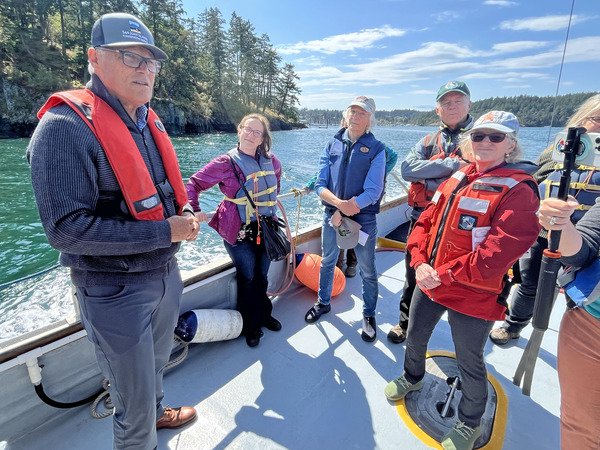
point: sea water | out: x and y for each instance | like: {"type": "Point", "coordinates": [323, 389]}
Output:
{"type": "Point", "coordinates": [35, 292]}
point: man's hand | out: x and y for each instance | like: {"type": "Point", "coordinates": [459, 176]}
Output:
{"type": "Point", "coordinates": [349, 207]}
{"type": "Point", "coordinates": [183, 227]}
{"type": "Point", "coordinates": [336, 218]}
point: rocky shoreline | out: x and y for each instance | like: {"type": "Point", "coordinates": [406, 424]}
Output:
{"type": "Point", "coordinates": [19, 119]}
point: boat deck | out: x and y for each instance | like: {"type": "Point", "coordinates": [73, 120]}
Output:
{"type": "Point", "coordinates": [318, 386]}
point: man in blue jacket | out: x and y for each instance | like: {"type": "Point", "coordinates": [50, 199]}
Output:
{"type": "Point", "coordinates": [350, 184]}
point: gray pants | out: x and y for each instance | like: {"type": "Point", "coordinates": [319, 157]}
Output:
{"type": "Point", "coordinates": [132, 328]}
{"type": "Point", "coordinates": [469, 335]}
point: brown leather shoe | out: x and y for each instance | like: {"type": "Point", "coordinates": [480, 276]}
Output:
{"type": "Point", "coordinates": [176, 417]}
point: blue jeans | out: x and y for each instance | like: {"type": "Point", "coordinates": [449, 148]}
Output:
{"type": "Point", "coordinates": [523, 300]}
{"type": "Point", "coordinates": [252, 266]}
{"type": "Point", "coordinates": [366, 261]}
{"type": "Point", "coordinates": [131, 328]}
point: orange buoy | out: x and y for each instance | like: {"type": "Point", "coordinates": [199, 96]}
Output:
{"type": "Point", "coordinates": [307, 273]}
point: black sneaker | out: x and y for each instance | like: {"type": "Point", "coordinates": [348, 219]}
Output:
{"type": "Point", "coordinates": [273, 324]}
{"type": "Point", "coordinates": [253, 338]}
{"type": "Point", "coordinates": [350, 271]}
{"type": "Point", "coordinates": [369, 330]}
{"type": "Point", "coordinates": [316, 311]}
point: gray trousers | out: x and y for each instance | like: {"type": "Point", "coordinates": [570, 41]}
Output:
{"type": "Point", "coordinates": [469, 335]}
{"type": "Point", "coordinates": [131, 328]}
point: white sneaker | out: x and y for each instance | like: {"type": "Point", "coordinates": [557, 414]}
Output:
{"type": "Point", "coordinates": [369, 332]}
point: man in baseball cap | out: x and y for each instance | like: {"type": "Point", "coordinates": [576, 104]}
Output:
{"type": "Point", "coordinates": [122, 30]}
{"type": "Point", "coordinates": [432, 160]}
{"type": "Point", "coordinates": [453, 86]}
{"type": "Point", "coordinates": [115, 232]}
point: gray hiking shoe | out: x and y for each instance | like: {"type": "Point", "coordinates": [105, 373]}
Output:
{"type": "Point", "coordinates": [397, 334]}
{"type": "Point", "coordinates": [397, 389]}
{"type": "Point", "coordinates": [460, 437]}
{"type": "Point", "coordinates": [501, 336]}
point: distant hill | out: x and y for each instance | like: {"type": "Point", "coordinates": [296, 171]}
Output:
{"type": "Point", "coordinates": [532, 111]}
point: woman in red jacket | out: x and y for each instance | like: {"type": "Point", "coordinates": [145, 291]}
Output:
{"type": "Point", "coordinates": [480, 221]}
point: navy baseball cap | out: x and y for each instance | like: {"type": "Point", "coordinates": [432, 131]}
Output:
{"type": "Point", "coordinates": [121, 30]}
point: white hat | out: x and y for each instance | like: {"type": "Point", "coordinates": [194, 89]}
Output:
{"type": "Point", "coordinates": [497, 120]}
{"type": "Point", "coordinates": [366, 103]}
{"type": "Point", "coordinates": [347, 233]}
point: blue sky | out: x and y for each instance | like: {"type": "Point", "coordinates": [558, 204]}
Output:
{"type": "Point", "coordinates": [401, 51]}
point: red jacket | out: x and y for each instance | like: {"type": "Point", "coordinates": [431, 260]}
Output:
{"type": "Point", "coordinates": [471, 278]}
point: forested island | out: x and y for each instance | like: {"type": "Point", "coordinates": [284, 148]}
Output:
{"type": "Point", "coordinates": [532, 111]}
{"type": "Point", "coordinates": [218, 70]}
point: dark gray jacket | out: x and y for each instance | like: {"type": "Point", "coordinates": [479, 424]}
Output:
{"type": "Point", "coordinates": [71, 177]}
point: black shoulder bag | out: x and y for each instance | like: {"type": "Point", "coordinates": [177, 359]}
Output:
{"type": "Point", "coordinates": [277, 245]}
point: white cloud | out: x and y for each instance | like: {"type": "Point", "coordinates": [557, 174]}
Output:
{"type": "Point", "coordinates": [517, 46]}
{"type": "Point", "coordinates": [500, 3]}
{"type": "Point", "coordinates": [343, 42]}
{"type": "Point", "coordinates": [506, 76]}
{"type": "Point", "coordinates": [422, 92]}
{"type": "Point", "coordinates": [586, 49]}
{"type": "Point", "coordinates": [446, 16]}
{"type": "Point", "coordinates": [546, 23]}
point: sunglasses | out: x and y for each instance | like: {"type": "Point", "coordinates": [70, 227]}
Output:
{"type": "Point", "coordinates": [493, 137]}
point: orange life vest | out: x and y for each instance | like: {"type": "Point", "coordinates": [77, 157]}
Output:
{"type": "Point", "coordinates": [123, 155]}
{"type": "Point", "coordinates": [461, 211]}
{"type": "Point", "coordinates": [418, 196]}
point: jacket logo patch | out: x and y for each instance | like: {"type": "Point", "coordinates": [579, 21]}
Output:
{"type": "Point", "coordinates": [466, 222]}
{"type": "Point", "coordinates": [364, 149]}
{"type": "Point", "coordinates": [159, 125]}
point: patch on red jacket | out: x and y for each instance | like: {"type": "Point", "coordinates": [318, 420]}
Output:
{"type": "Point", "coordinates": [467, 222]}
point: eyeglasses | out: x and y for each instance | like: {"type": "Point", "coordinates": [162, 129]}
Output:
{"type": "Point", "coordinates": [493, 137]}
{"type": "Point", "coordinates": [134, 60]}
{"type": "Point", "coordinates": [255, 133]}
{"type": "Point", "coordinates": [358, 113]}
{"type": "Point", "coordinates": [595, 119]}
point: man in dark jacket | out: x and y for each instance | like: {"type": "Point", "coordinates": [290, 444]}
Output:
{"type": "Point", "coordinates": [111, 199]}
{"type": "Point", "coordinates": [434, 159]}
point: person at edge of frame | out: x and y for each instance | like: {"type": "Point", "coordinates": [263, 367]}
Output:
{"type": "Point", "coordinates": [585, 187]}
{"type": "Point", "coordinates": [578, 356]}
{"type": "Point", "coordinates": [117, 213]}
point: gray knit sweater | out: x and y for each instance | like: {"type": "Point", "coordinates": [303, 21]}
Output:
{"type": "Point", "coordinates": [70, 174]}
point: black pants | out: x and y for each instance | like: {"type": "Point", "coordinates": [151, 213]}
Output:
{"type": "Point", "coordinates": [469, 335]}
{"type": "Point", "coordinates": [252, 266]}
{"type": "Point", "coordinates": [410, 282]}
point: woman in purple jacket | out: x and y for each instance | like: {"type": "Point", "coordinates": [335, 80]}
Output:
{"type": "Point", "coordinates": [252, 164]}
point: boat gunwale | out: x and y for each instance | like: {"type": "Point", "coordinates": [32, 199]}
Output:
{"type": "Point", "coordinates": [15, 347]}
